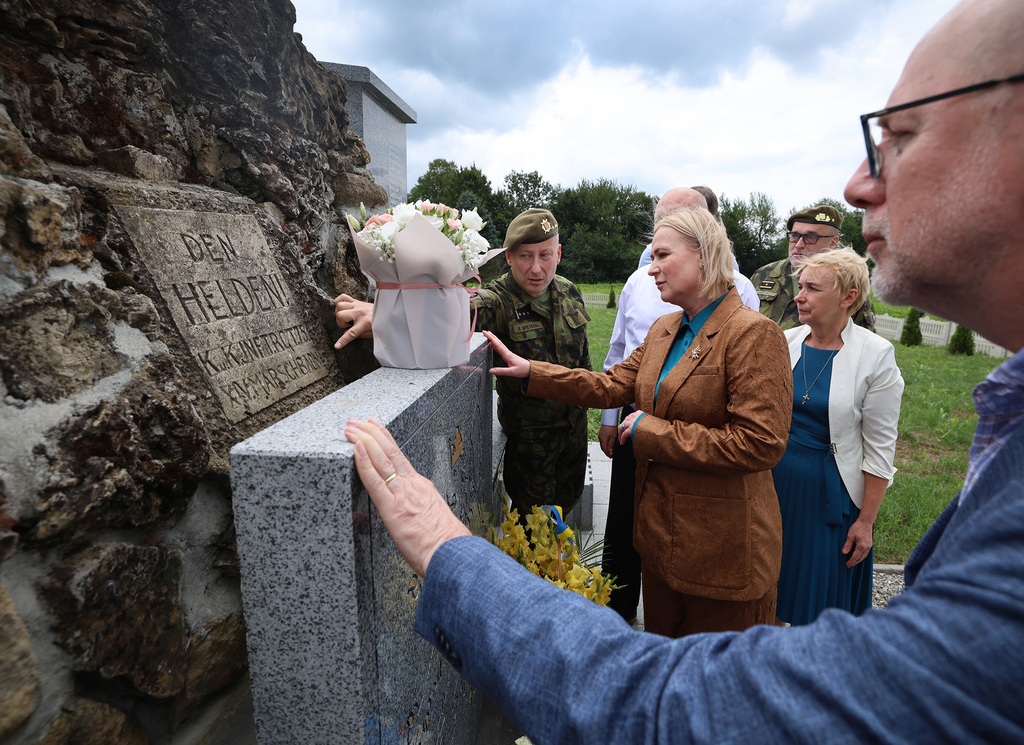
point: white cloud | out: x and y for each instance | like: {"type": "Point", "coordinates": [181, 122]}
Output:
{"type": "Point", "coordinates": [748, 120]}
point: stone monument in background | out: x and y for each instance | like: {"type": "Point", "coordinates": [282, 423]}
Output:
{"type": "Point", "coordinates": [379, 116]}
{"type": "Point", "coordinates": [173, 183]}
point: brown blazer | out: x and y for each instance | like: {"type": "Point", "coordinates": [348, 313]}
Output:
{"type": "Point", "coordinates": [707, 517]}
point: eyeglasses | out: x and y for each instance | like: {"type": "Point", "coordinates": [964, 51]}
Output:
{"type": "Point", "coordinates": [809, 238]}
{"type": "Point", "coordinates": [873, 131]}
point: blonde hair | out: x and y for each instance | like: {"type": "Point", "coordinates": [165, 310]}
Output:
{"type": "Point", "coordinates": [849, 272]}
{"type": "Point", "coordinates": [702, 228]}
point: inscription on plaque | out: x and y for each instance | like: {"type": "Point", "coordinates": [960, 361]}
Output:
{"type": "Point", "coordinates": [231, 304]}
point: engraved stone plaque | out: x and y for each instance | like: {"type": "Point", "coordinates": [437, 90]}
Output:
{"type": "Point", "coordinates": [231, 304]}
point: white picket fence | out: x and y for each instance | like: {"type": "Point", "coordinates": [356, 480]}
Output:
{"type": "Point", "coordinates": [935, 334]}
{"type": "Point", "coordinates": [597, 299]}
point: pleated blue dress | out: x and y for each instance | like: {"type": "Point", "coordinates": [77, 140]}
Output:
{"type": "Point", "coordinates": [817, 511]}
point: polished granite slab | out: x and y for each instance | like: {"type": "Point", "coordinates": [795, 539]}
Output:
{"type": "Point", "coordinates": [329, 602]}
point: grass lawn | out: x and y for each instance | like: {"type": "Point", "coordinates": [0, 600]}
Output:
{"type": "Point", "coordinates": [937, 423]}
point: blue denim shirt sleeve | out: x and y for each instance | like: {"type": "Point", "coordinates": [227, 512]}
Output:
{"type": "Point", "coordinates": [943, 663]}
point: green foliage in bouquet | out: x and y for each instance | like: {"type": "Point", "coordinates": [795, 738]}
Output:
{"type": "Point", "coordinates": [562, 563]}
{"type": "Point", "coordinates": [962, 341]}
{"type": "Point", "coordinates": [911, 336]}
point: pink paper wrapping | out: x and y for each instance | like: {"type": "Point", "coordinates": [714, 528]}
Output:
{"type": "Point", "coordinates": [420, 329]}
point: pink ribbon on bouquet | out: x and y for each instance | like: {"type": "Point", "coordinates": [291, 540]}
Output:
{"type": "Point", "coordinates": [433, 286]}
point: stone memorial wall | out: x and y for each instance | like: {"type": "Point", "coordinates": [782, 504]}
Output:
{"type": "Point", "coordinates": [329, 601]}
{"type": "Point", "coordinates": [173, 183]}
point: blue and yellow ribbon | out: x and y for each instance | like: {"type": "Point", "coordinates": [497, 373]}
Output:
{"type": "Point", "coordinates": [562, 531]}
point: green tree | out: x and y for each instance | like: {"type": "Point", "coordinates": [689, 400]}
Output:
{"type": "Point", "coordinates": [962, 341]}
{"type": "Point", "coordinates": [603, 227]}
{"type": "Point", "coordinates": [446, 182]}
{"type": "Point", "coordinates": [525, 190]}
{"type": "Point", "coordinates": [911, 335]}
{"type": "Point", "coordinates": [753, 227]}
{"type": "Point", "coordinates": [521, 192]}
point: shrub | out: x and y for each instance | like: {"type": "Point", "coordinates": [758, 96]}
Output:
{"type": "Point", "coordinates": [962, 341]}
{"type": "Point", "coordinates": [611, 298]}
{"type": "Point", "coordinates": [911, 336]}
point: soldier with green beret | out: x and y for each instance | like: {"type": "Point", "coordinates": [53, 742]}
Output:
{"type": "Point", "coordinates": [541, 316]}
{"type": "Point", "coordinates": [809, 231]}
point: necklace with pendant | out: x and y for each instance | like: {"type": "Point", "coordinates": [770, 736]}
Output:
{"type": "Point", "coordinates": [807, 388]}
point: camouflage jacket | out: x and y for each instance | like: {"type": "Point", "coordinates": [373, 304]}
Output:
{"type": "Point", "coordinates": [507, 311]}
{"type": "Point", "coordinates": [776, 288]}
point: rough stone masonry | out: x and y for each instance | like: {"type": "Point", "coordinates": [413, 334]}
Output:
{"type": "Point", "coordinates": [173, 178]}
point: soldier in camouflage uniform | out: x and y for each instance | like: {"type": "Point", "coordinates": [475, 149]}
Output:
{"type": "Point", "coordinates": [817, 230]}
{"type": "Point", "coordinates": [540, 316]}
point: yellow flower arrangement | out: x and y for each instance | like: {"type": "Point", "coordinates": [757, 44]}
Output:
{"type": "Point", "coordinates": [557, 561]}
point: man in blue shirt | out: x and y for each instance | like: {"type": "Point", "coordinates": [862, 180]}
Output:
{"type": "Point", "coordinates": [945, 661]}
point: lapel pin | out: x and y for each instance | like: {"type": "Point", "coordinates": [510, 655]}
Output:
{"type": "Point", "coordinates": [695, 352]}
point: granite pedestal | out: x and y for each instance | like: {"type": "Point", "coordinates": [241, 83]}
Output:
{"type": "Point", "coordinates": [329, 602]}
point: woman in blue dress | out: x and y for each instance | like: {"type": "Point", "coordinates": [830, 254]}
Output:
{"type": "Point", "coordinates": [839, 460]}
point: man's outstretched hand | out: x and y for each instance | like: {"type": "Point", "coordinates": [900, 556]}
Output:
{"type": "Point", "coordinates": [348, 310]}
{"type": "Point", "coordinates": [413, 511]}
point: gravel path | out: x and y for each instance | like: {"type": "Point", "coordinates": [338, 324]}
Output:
{"type": "Point", "coordinates": [888, 581]}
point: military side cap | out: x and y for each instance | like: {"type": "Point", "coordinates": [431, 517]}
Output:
{"type": "Point", "coordinates": [533, 226]}
{"type": "Point", "coordinates": [822, 215]}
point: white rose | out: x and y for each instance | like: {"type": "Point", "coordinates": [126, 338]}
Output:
{"type": "Point", "coordinates": [434, 220]}
{"type": "Point", "coordinates": [403, 213]}
{"type": "Point", "coordinates": [477, 241]}
{"type": "Point", "coordinates": [388, 230]}
{"type": "Point", "coordinates": [471, 220]}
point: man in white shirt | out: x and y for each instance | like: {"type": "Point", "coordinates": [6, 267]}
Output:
{"type": "Point", "coordinates": [743, 285]}
{"type": "Point", "coordinates": [640, 305]}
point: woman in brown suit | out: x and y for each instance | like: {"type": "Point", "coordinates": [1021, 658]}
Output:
{"type": "Point", "coordinates": [713, 393]}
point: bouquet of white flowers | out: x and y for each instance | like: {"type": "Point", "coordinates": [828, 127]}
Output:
{"type": "Point", "coordinates": [420, 254]}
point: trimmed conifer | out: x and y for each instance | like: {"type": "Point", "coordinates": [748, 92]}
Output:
{"type": "Point", "coordinates": [911, 336]}
{"type": "Point", "coordinates": [962, 341]}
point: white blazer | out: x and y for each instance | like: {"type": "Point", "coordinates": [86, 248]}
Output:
{"type": "Point", "coordinates": [863, 404]}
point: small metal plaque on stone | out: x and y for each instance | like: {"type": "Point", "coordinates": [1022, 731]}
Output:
{"type": "Point", "coordinates": [230, 302]}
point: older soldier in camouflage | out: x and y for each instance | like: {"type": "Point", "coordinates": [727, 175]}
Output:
{"type": "Point", "coordinates": [540, 316]}
{"type": "Point", "coordinates": [809, 231]}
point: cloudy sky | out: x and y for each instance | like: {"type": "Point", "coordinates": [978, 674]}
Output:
{"type": "Point", "coordinates": [741, 95]}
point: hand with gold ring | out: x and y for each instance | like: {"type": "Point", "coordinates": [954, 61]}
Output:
{"type": "Point", "coordinates": [626, 428]}
{"type": "Point", "coordinates": [415, 514]}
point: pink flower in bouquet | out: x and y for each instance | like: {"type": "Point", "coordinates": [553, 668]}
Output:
{"type": "Point", "coordinates": [445, 211]}
{"type": "Point", "coordinates": [380, 230]}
